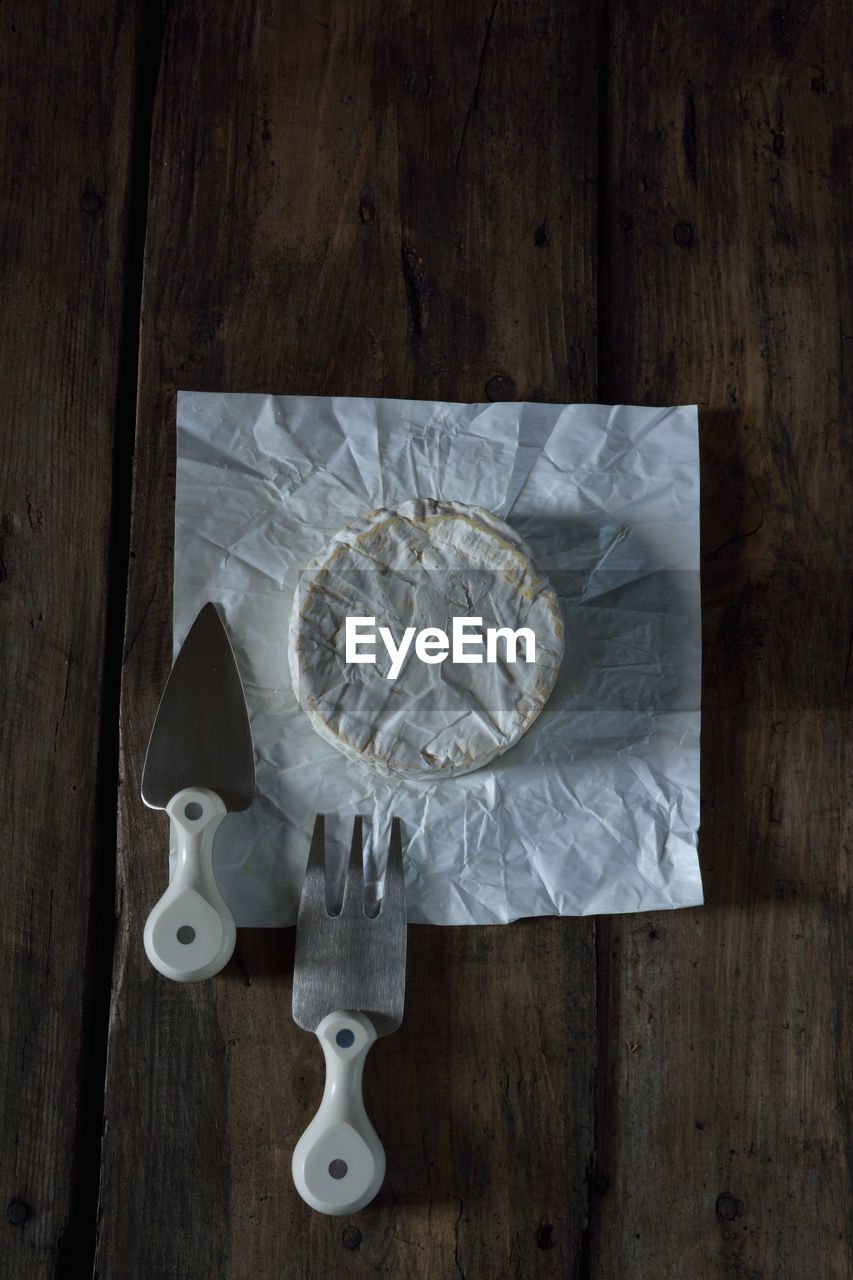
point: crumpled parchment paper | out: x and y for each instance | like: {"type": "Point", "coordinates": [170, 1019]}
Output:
{"type": "Point", "coordinates": [596, 809]}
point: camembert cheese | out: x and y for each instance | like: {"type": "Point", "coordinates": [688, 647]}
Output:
{"type": "Point", "coordinates": [426, 692]}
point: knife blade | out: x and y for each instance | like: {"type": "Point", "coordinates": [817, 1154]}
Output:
{"type": "Point", "coordinates": [199, 766]}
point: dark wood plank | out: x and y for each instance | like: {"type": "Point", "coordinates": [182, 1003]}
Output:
{"type": "Point", "coordinates": [67, 91]}
{"type": "Point", "coordinates": [726, 1077]}
{"type": "Point", "coordinates": [383, 201]}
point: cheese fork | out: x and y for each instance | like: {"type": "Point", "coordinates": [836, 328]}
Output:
{"type": "Point", "coordinates": [349, 981]}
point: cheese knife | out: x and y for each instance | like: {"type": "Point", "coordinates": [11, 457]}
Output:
{"type": "Point", "coordinates": [199, 766]}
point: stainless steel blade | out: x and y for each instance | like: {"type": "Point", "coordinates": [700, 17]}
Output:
{"type": "Point", "coordinates": [351, 960]}
{"type": "Point", "coordinates": [201, 735]}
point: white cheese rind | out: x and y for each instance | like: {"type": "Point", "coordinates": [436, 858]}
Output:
{"type": "Point", "coordinates": [420, 564]}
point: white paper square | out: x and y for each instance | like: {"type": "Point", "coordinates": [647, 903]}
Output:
{"type": "Point", "coordinates": [596, 809]}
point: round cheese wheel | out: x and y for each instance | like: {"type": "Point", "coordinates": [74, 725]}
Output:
{"type": "Point", "coordinates": [423, 708]}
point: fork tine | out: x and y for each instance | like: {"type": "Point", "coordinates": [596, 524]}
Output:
{"type": "Point", "coordinates": [353, 901]}
{"type": "Point", "coordinates": [313, 897]}
{"type": "Point", "coordinates": [394, 891]}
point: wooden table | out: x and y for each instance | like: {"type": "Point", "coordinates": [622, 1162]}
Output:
{"type": "Point", "coordinates": [505, 199]}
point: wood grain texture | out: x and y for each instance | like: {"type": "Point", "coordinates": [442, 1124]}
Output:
{"type": "Point", "coordinates": [63, 239]}
{"type": "Point", "coordinates": [725, 1080]}
{"type": "Point", "coordinates": [405, 201]}
{"type": "Point", "coordinates": [378, 204]}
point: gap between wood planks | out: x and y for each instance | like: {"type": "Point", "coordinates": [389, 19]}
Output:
{"type": "Point", "coordinates": [596, 1180]}
{"type": "Point", "coordinates": [76, 1250]}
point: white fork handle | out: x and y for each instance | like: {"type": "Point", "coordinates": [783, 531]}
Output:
{"type": "Point", "coordinates": [338, 1163]}
{"type": "Point", "coordinates": [190, 933]}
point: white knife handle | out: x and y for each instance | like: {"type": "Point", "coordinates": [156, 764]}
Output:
{"type": "Point", "coordinates": [190, 933]}
{"type": "Point", "coordinates": [338, 1163]}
